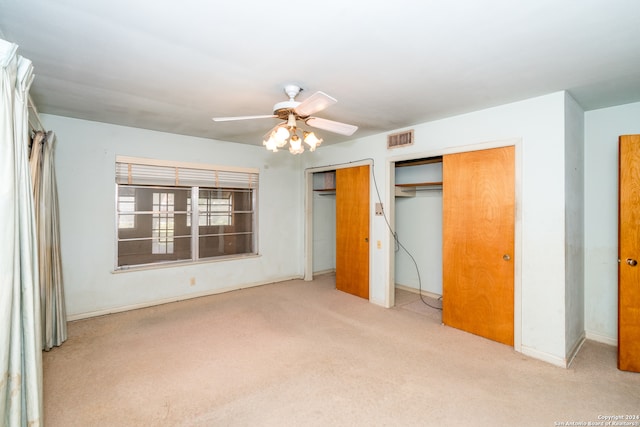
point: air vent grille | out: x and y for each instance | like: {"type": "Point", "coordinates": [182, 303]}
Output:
{"type": "Point", "coordinates": [400, 139]}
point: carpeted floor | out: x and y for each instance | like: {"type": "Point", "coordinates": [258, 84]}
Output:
{"type": "Point", "coordinates": [304, 354]}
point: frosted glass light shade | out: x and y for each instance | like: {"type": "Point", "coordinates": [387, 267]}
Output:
{"type": "Point", "coordinates": [271, 144]}
{"type": "Point", "coordinates": [280, 136]}
{"type": "Point", "coordinates": [295, 145]}
{"type": "Point", "coordinates": [312, 140]}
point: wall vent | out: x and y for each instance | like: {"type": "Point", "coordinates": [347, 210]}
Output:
{"type": "Point", "coordinates": [401, 139]}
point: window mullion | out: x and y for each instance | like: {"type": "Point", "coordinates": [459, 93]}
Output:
{"type": "Point", "coordinates": [195, 224]}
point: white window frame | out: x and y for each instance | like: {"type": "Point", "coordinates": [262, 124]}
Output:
{"type": "Point", "coordinates": [183, 175]}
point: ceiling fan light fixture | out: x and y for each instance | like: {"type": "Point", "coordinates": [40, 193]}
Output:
{"type": "Point", "coordinates": [312, 140]}
{"type": "Point", "coordinates": [295, 145]}
{"type": "Point", "coordinates": [270, 143]}
{"type": "Point", "coordinates": [292, 111]}
{"type": "Point", "coordinates": [280, 136]}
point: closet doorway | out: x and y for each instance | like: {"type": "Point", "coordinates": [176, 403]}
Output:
{"type": "Point", "coordinates": [460, 270]}
{"type": "Point", "coordinates": [352, 230]}
{"type": "Point", "coordinates": [347, 232]}
{"type": "Point", "coordinates": [418, 228]}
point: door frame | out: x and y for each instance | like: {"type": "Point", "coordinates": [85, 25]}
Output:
{"type": "Point", "coordinates": [517, 259]}
{"type": "Point", "coordinates": [308, 206]}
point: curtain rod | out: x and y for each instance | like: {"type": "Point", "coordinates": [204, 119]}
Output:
{"type": "Point", "coordinates": [35, 115]}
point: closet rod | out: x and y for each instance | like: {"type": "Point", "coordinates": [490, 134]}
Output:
{"type": "Point", "coordinates": [434, 188]}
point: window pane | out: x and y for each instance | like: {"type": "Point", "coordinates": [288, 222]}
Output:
{"type": "Point", "coordinates": [213, 246]}
{"type": "Point", "coordinates": [126, 203]}
{"type": "Point", "coordinates": [242, 200]}
{"type": "Point", "coordinates": [214, 207]}
{"type": "Point", "coordinates": [139, 252]}
{"type": "Point", "coordinates": [160, 231]}
{"type": "Point", "coordinates": [229, 225]}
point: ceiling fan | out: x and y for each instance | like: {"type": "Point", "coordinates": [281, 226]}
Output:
{"type": "Point", "coordinates": [291, 112]}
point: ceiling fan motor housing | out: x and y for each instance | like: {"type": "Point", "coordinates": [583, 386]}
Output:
{"type": "Point", "coordinates": [283, 109]}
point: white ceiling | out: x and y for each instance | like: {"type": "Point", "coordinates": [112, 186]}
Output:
{"type": "Point", "coordinates": [172, 65]}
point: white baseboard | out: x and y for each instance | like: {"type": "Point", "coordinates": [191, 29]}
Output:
{"type": "Point", "coordinates": [545, 357]}
{"type": "Point", "coordinates": [417, 291]}
{"type": "Point", "coordinates": [575, 349]}
{"type": "Point", "coordinates": [562, 362]}
{"type": "Point", "coordinates": [594, 336]}
{"type": "Point", "coordinates": [318, 273]}
{"type": "Point", "coordinates": [112, 310]}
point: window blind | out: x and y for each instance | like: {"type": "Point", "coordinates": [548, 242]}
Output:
{"type": "Point", "coordinates": [138, 171]}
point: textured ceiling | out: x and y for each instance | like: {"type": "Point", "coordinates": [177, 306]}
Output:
{"type": "Point", "coordinates": [171, 66]}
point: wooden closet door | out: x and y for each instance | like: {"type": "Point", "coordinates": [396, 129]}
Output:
{"type": "Point", "coordinates": [352, 230]}
{"type": "Point", "coordinates": [629, 253]}
{"type": "Point", "coordinates": [478, 242]}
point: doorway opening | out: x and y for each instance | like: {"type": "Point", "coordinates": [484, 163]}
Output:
{"type": "Point", "coordinates": [406, 216]}
{"type": "Point", "coordinates": [417, 237]}
{"type": "Point", "coordinates": [329, 246]}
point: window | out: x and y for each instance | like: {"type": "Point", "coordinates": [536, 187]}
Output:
{"type": "Point", "coordinates": [154, 212]}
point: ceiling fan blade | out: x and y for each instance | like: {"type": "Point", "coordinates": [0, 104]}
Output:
{"type": "Point", "coordinates": [228, 119]}
{"type": "Point", "coordinates": [316, 102]}
{"type": "Point", "coordinates": [331, 126]}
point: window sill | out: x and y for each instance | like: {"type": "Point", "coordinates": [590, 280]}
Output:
{"type": "Point", "coordinates": [170, 264]}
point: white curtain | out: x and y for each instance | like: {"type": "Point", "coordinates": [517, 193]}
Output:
{"type": "Point", "coordinates": [54, 316]}
{"type": "Point", "coordinates": [20, 333]}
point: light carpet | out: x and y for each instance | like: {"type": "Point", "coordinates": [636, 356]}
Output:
{"type": "Point", "coordinates": [302, 353]}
